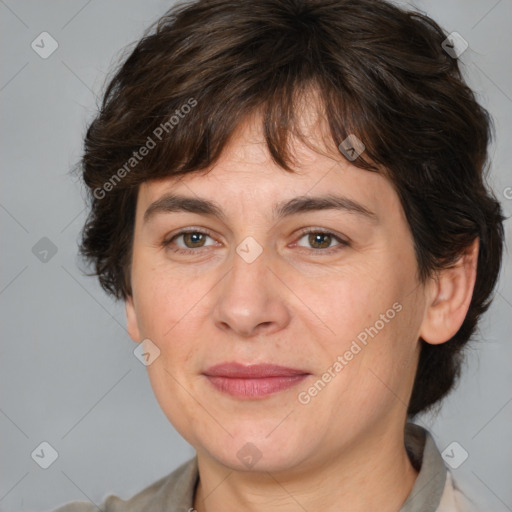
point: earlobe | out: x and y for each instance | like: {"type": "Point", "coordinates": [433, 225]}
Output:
{"type": "Point", "coordinates": [448, 302]}
{"type": "Point", "coordinates": [131, 320]}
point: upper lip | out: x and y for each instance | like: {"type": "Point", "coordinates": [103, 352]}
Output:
{"type": "Point", "coordinates": [254, 371]}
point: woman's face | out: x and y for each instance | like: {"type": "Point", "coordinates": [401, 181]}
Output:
{"type": "Point", "coordinates": [340, 311]}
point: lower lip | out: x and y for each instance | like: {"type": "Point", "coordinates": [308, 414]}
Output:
{"type": "Point", "coordinates": [255, 388]}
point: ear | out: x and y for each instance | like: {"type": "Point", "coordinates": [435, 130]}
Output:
{"type": "Point", "coordinates": [449, 298]}
{"type": "Point", "coordinates": [131, 320]}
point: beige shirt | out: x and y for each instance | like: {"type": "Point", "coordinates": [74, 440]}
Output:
{"type": "Point", "coordinates": [433, 490]}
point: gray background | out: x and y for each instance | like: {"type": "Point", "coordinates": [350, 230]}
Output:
{"type": "Point", "coordinates": [68, 375]}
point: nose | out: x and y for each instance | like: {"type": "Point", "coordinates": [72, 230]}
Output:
{"type": "Point", "coordinates": [252, 300]}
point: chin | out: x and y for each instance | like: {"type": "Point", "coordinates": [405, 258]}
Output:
{"type": "Point", "coordinates": [249, 450]}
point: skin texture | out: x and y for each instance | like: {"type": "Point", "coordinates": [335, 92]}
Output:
{"type": "Point", "coordinates": [298, 306]}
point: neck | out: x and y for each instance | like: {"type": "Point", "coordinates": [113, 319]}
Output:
{"type": "Point", "coordinates": [374, 475]}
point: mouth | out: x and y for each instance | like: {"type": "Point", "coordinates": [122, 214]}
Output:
{"type": "Point", "coordinates": [253, 381]}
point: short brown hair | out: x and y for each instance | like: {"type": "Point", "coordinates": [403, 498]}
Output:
{"type": "Point", "coordinates": [381, 74]}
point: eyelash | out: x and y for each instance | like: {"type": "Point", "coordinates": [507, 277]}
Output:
{"type": "Point", "coordinates": [342, 243]}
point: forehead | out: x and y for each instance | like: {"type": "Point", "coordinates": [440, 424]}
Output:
{"type": "Point", "coordinates": [246, 178]}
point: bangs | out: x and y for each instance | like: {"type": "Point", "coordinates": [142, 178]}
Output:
{"type": "Point", "coordinates": [190, 111]}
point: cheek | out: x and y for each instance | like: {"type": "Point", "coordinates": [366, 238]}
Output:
{"type": "Point", "coordinates": [166, 298]}
{"type": "Point", "coordinates": [349, 303]}
{"type": "Point", "coordinates": [173, 394]}
{"type": "Point", "coordinates": [169, 309]}
{"type": "Point", "coordinates": [372, 320]}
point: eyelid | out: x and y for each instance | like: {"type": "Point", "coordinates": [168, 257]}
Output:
{"type": "Point", "coordinates": [324, 231]}
{"type": "Point", "coordinates": [190, 229]}
{"type": "Point", "coordinates": [305, 231]}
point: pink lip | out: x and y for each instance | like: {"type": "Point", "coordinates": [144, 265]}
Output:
{"type": "Point", "coordinates": [253, 381]}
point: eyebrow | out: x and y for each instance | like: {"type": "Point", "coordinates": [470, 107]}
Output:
{"type": "Point", "coordinates": [301, 204]}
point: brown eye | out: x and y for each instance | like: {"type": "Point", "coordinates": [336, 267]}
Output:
{"type": "Point", "coordinates": [191, 241]}
{"type": "Point", "coordinates": [321, 241]}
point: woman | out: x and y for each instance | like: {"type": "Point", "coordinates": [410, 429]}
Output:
{"type": "Point", "coordinates": [289, 197]}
